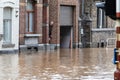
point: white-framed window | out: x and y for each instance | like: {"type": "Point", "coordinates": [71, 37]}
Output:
{"type": "Point", "coordinates": [101, 18]}
{"type": "Point", "coordinates": [7, 24]}
{"type": "Point", "coordinates": [30, 16]}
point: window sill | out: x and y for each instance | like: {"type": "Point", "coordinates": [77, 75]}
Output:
{"type": "Point", "coordinates": [104, 29]}
{"type": "Point", "coordinates": [33, 35]}
{"type": "Point", "coordinates": [8, 45]}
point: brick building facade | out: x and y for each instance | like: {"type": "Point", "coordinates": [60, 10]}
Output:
{"type": "Point", "coordinates": [30, 23]}
{"type": "Point", "coordinates": [40, 24]}
{"type": "Point", "coordinates": [59, 9]}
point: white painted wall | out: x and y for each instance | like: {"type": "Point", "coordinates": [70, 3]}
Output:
{"type": "Point", "coordinates": [14, 4]}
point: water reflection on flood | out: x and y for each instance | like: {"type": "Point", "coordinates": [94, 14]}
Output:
{"type": "Point", "coordinates": [9, 69]}
{"type": "Point", "coordinates": [64, 64]}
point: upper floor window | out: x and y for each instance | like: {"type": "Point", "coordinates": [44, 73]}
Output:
{"type": "Point", "coordinates": [7, 24]}
{"type": "Point", "coordinates": [30, 16]}
{"type": "Point", "coordinates": [101, 18]}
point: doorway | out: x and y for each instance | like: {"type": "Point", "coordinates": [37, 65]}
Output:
{"type": "Point", "coordinates": [66, 29]}
{"type": "Point", "coordinates": [65, 37]}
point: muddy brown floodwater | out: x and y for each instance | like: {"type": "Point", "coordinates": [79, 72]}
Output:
{"type": "Point", "coordinates": [63, 64]}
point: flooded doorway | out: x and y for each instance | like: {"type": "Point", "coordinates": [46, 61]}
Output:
{"type": "Point", "coordinates": [65, 37]}
{"type": "Point", "coordinates": [62, 64]}
{"type": "Point", "coordinates": [66, 23]}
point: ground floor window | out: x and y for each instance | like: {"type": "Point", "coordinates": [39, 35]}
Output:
{"type": "Point", "coordinates": [101, 19]}
{"type": "Point", "coordinates": [7, 24]}
{"type": "Point", "coordinates": [29, 22]}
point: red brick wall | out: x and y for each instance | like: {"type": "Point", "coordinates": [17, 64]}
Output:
{"type": "Point", "coordinates": [38, 20]}
{"type": "Point", "coordinates": [45, 21]}
{"type": "Point", "coordinates": [53, 9]}
{"type": "Point", "coordinates": [75, 25]}
{"type": "Point", "coordinates": [54, 16]}
{"type": "Point", "coordinates": [22, 22]}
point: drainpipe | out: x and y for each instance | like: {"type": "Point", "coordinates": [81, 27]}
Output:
{"type": "Point", "coordinates": [117, 52]}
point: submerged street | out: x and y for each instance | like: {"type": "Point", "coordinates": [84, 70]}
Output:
{"type": "Point", "coordinates": [63, 64]}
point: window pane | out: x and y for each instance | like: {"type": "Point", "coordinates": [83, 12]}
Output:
{"type": "Point", "coordinates": [7, 22]}
{"type": "Point", "coordinates": [31, 22]}
{"type": "Point", "coordinates": [7, 13]}
{"type": "Point", "coordinates": [29, 5]}
{"type": "Point", "coordinates": [7, 31]}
